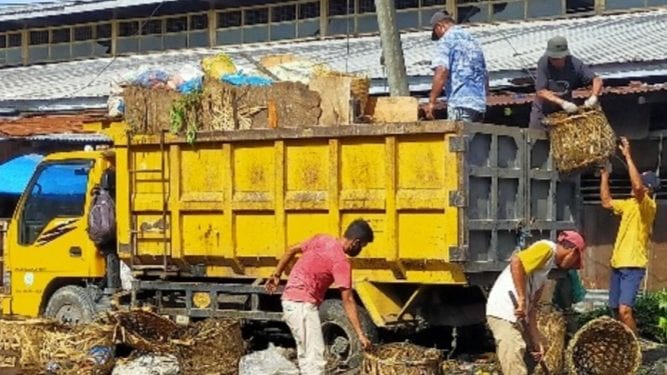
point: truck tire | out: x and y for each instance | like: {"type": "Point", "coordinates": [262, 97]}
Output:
{"type": "Point", "coordinates": [343, 349]}
{"type": "Point", "coordinates": [71, 305]}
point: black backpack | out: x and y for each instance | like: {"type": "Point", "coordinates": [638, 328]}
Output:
{"type": "Point", "coordinates": [102, 218]}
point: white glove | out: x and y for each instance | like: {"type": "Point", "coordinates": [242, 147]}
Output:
{"type": "Point", "coordinates": [569, 107]}
{"type": "Point", "coordinates": [591, 102]}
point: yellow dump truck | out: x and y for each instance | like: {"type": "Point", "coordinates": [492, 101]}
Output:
{"type": "Point", "coordinates": [202, 225]}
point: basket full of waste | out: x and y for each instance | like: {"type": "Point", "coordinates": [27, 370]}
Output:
{"type": "Point", "coordinates": [580, 140]}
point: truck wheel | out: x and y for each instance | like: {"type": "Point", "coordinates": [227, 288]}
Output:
{"type": "Point", "coordinates": [343, 349]}
{"type": "Point", "coordinates": [71, 305]}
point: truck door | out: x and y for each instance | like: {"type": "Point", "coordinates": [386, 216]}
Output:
{"type": "Point", "coordinates": [49, 240]}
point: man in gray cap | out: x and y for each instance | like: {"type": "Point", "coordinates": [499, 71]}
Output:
{"type": "Point", "coordinates": [459, 68]}
{"type": "Point", "coordinates": [558, 74]}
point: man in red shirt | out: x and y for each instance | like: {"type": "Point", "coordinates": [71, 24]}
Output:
{"type": "Point", "coordinates": [324, 261]}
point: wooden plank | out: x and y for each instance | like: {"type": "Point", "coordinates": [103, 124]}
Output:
{"type": "Point", "coordinates": [335, 99]}
{"type": "Point", "coordinates": [270, 61]}
{"type": "Point", "coordinates": [396, 109]}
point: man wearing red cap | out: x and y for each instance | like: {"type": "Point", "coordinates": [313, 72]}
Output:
{"type": "Point", "coordinates": [525, 277]}
{"type": "Point", "coordinates": [630, 255]}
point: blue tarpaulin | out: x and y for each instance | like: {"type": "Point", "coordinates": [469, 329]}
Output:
{"type": "Point", "coordinates": [15, 173]}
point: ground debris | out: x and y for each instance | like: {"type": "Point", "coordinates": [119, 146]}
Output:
{"type": "Point", "coordinates": [402, 358]}
{"type": "Point", "coordinates": [212, 346]}
{"type": "Point", "coordinates": [271, 361]}
{"type": "Point", "coordinates": [654, 358]}
{"type": "Point", "coordinates": [466, 364]}
{"type": "Point", "coordinates": [148, 364]}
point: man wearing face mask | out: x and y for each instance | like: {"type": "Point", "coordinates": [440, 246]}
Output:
{"type": "Point", "coordinates": [525, 277]}
{"type": "Point", "coordinates": [324, 261]}
{"type": "Point", "coordinates": [558, 74]}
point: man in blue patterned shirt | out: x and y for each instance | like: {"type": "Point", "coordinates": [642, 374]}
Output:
{"type": "Point", "coordinates": [459, 67]}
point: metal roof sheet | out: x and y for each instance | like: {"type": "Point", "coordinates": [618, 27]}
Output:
{"type": "Point", "coordinates": [609, 43]}
{"type": "Point", "coordinates": [66, 7]}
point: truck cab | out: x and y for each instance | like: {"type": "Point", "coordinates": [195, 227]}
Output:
{"type": "Point", "coordinates": [50, 264]}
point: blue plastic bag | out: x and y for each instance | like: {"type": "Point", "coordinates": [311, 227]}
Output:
{"type": "Point", "coordinates": [242, 79]}
{"type": "Point", "coordinates": [192, 85]}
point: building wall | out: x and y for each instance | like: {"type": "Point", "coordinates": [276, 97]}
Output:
{"type": "Point", "coordinates": [600, 227]}
{"type": "Point", "coordinates": [10, 148]}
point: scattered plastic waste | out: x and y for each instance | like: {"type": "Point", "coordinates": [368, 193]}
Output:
{"type": "Point", "coordinates": [271, 361]}
{"type": "Point", "coordinates": [149, 364]}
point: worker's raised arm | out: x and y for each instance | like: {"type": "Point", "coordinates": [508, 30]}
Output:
{"type": "Point", "coordinates": [605, 193]}
{"type": "Point", "coordinates": [635, 178]}
{"type": "Point", "coordinates": [597, 86]}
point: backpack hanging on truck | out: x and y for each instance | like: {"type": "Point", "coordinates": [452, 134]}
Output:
{"type": "Point", "coordinates": [102, 218]}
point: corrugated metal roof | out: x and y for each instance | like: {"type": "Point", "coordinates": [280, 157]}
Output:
{"type": "Point", "coordinates": [632, 88]}
{"type": "Point", "coordinates": [67, 7]}
{"type": "Point", "coordinates": [71, 138]}
{"type": "Point", "coordinates": [625, 45]}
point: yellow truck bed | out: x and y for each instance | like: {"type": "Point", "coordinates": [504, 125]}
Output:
{"type": "Point", "coordinates": [444, 198]}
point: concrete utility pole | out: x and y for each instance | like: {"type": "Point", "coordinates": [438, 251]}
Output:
{"type": "Point", "coordinates": [391, 48]}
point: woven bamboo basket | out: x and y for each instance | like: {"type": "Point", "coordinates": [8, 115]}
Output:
{"type": "Point", "coordinates": [359, 86]}
{"type": "Point", "coordinates": [603, 346]}
{"type": "Point", "coordinates": [551, 325]}
{"type": "Point", "coordinates": [144, 331]}
{"type": "Point", "coordinates": [402, 359]}
{"type": "Point", "coordinates": [220, 336]}
{"type": "Point", "coordinates": [580, 140]}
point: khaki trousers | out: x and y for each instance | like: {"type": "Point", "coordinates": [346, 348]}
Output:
{"type": "Point", "coordinates": [303, 319]}
{"type": "Point", "coordinates": [510, 346]}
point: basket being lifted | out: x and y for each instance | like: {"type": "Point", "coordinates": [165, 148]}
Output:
{"type": "Point", "coordinates": [580, 140]}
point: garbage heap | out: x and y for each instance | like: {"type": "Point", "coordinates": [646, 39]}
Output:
{"type": "Point", "coordinates": [211, 346]}
{"type": "Point", "coordinates": [215, 95]}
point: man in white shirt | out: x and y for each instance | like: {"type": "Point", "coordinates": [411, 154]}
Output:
{"type": "Point", "coordinates": [525, 277]}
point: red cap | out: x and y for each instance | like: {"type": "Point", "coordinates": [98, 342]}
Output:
{"type": "Point", "coordinates": [577, 240]}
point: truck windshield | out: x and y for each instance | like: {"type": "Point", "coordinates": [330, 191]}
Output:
{"type": "Point", "coordinates": [58, 191]}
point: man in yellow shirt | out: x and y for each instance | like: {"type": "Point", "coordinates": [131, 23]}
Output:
{"type": "Point", "coordinates": [525, 277]}
{"type": "Point", "coordinates": [630, 255]}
